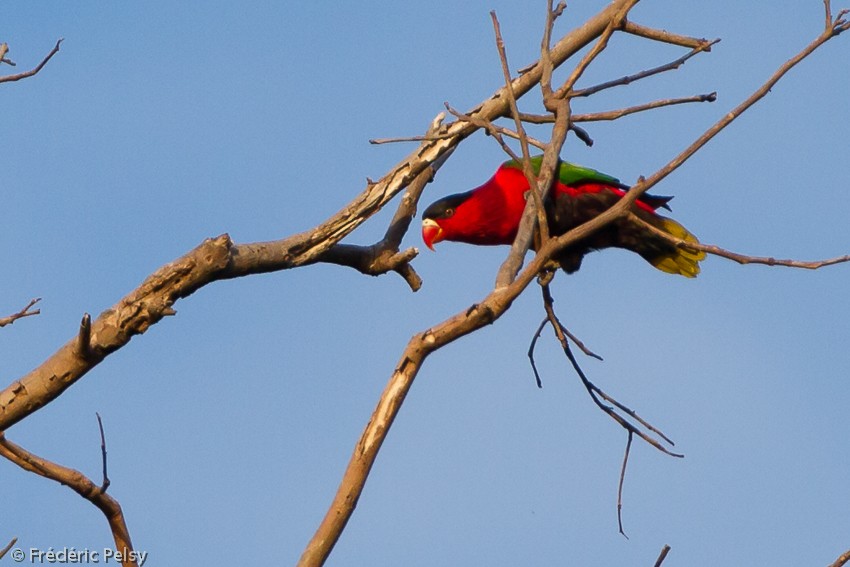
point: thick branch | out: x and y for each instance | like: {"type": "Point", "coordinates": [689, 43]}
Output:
{"type": "Point", "coordinates": [483, 313]}
{"type": "Point", "coordinates": [220, 258]}
{"type": "Point", "coordinates": [418, 348]}
{"type": "Point", "coordinates": [842, 560]}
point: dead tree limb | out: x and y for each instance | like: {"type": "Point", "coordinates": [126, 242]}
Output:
{"type": "Point", "coordinates": [25, 312]}
{"type": "Point", "coordinates": [82, 485]}
{"type": "Point", "coordinates": [34, 70]}
{"type": "Point", "coordinates": [490, 309]}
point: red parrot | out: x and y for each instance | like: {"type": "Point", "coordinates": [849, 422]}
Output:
{"type": "Point", "coordinates": [490, 214]}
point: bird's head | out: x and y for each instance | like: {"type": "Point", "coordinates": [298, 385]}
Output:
{"type": "Point", "coordinates": [486, 215]}
{"type": "Point", "coordinates": [445, 219]}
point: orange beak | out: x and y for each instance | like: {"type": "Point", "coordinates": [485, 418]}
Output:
{"type": "Point", "coordinates": [431, 233]}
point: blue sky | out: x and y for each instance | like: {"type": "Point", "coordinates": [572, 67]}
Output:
{"type": "Point", "coordinates": [160, 124]}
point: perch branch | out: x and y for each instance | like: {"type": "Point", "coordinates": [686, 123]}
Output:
{"type": "Point", "coordinates": [559, 105]}
{"type": "Point", "coordinates": [740, 258]}
{"type": "Point", "coordinates": [420, 346]}
{"type": "Point", "coordinates": [483, 313]}
{"type": "Point", "coordinates": [527, 170]}
{"type": "Point", "coordinates": [219, 258]}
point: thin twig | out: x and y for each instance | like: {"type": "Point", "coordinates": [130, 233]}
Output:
{"type": "Point", "coordinates": [488, 126]}
{"type": "Point", "coordinates": [619, 113]}
{"type": "Point", "coordinates": [620, 485]}
{"type": "Point", "coordinates": [643, 74]}
{"type": "Point", "coordinates": [545, 47]}
{"type": "Point", "coordinates": [597, 394]}
{"type": "Point", "coordinates": [531, 351]}
{"type": "Point", "coordinates": [662, 556]}
{"type": "Point", "coordinates": [735, 256]}
{"type": "Point", "coordinates": [105, 484]}
{"type": "Point", "coordinates": [25, 312]}
{"type": "Point", "coordinates": [615, 114]}
{"type": "Point", "coordinates": [31, 72]}
{"type": "Point", "coordinates": [616, 22]}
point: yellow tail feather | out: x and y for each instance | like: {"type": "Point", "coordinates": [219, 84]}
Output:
{"type": "Point", "coordinates": [681, 261]}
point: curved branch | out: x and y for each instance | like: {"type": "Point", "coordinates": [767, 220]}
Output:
{"type": "Point", "coordinates": [82, 485]}
{"type": "Point", "coordinates": [219, 258]}
{"type": "Point", "coordinates": [486, 312]}
{"type": "Point", "coordinates": [31, 72]}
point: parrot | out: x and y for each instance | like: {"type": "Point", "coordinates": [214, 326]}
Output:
{"type": "Point", "coordinates": [490, 215]}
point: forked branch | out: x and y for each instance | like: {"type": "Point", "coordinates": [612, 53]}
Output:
{"type": "Point", "coordinates": [486, 312]}
{"type": "Point", "coordinates": [82, 485]}
{"type": "Point", "coordinates": [25, 312]}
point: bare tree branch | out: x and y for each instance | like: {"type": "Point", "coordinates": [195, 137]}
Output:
{"type": "Point", "coordinates": [619, 113]}
{"type": "Point", "coordinates": [559, 105]}
{"type": "Point", "coordinates": [662, 556]}
{"type": "Point", "coordinates": [105, 483]}
{"type": "Point", "coordinates": [219, 258]}
{"type": "Point", "coordinates": [36, 69]}
{"type": "Point", "coordinates": [25, 312]}
{"type": "Point", "coordinates": [740, 258]}
{"type": "Point", "coordinates": [628, 79]}
{"type": "Point", "coordinates": [9, 545]}
{"type": "Point", "coordinates": [486, 312]}
{"type": "Point", "coordinates": [523, 138]}
{"type": "Point", "coordinates": [620, 485]}
{"type": "Point", "coordinates": [666, 37]}
{"type": "Point", "coordinates": [842, 560]}
{"type": "Point", "coordinates": [82, 485]}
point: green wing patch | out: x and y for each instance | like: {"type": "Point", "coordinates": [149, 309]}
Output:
{"type": "Point", "coordinates": [570, 173]}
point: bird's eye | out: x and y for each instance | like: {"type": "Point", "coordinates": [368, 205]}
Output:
{"type": "Point", "coordinates": [449, 212]}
